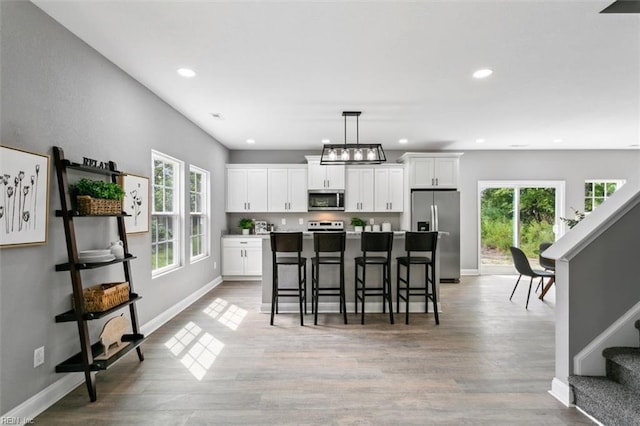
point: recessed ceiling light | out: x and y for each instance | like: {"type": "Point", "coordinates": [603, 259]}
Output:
{"type": "Point", "coordinates": [186, 72]}
{"type": "Point", "coordinates": [480, 140]}
{"type": "Point", "coordinates": [403, 141]}
{"type": "Point", "coordinates": [217, 116]}
{"type": "Point", "coordinates": [483, 73]}
{"type": "Point", "coordinates": [251, 141]}
{"type": "Point", "coordinates": [326, 141]}
{"type": "Point", "coordinates": [558, 141]}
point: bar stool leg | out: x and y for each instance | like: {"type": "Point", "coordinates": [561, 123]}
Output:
{"type": "Point", "coordinates": [406, 302]}
{"type": "Point", "coordinates": [355, 288]}
{"type": "Point", "coordinates": [387, 268]}
{"type": "Point", "coordinates": [343, 302]}
{"type": "Point", "coordinates": [274, 290]}
{"type": "Point", "coordinates": [300, 296]}
{"type": "Point", "coordinates": [434, 295]}
{"type": "Point", "coordinates": [315, 292]}
{"type": "Point", "coordinates": [426, 287]}
{"type": "Point", "coordinates": [364, 291]}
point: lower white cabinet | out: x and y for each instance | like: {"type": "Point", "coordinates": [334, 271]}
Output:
{"type": "Point", "coordinates": [241, 257]}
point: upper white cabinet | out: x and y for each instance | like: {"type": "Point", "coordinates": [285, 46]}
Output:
{"type": "Point", "coordinates": [432, 170]}
{"type": "Point", "coordinates": [246, 189]}
{"type": "Point", "coordinates": [359, 192]}
{"type": "Point", "coordinates": [288, 189]}
{"type": "Point", "coordinates": [389, 189]}
{"type": "Point", "coordinates": [325, 177]}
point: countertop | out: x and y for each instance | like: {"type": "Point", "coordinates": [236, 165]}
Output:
{"type": "Point", "coordinates": [306, 234]}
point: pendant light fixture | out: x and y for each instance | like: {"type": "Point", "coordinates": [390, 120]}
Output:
{"type": "Point", "coordinates": [352, 153]}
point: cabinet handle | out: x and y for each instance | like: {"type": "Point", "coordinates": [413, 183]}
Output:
{"type": "Point", "coordinates": [390, 206]}
{"type": "Point", "coordinates": [436, 181]}
{"type": "Point", "coordinates": [249, 204]}
{"type": "Point", "coordinates": [432, 182]}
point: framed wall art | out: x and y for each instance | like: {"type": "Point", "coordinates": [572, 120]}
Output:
{"type": "Point", "coordinates": [24, 198]}
{"type": "Point", "coordinates": [136, 203]}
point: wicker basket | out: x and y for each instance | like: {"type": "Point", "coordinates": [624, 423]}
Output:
{"type": "Point", "coordinates": [101, 297]}
{"type": "Point", "coordinates": [98, 206]}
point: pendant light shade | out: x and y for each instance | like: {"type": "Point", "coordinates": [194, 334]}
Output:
{"type": "Point", "coordinates": [352, 153]}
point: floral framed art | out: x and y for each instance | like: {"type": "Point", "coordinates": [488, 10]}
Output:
{"type": "Point", "coordinates": [24, 202]}
{"type": "Point", "coordinates": [136, 203]}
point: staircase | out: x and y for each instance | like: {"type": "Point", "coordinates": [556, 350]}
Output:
{"type": "Point", "coordinates": [615, 399]}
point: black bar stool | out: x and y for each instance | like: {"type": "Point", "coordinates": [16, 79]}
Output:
{"type": "Point", "coordinates": [288, 242]}
{"type": "Point", "coordinates": [374, 242]}
{"type": "Point", "coordinates": [328, 242]}
{"type": "Point", "coordinates": [418, 242]}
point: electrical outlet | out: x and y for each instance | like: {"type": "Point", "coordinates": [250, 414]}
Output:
{"type": "Point", "coordinates": [38, 357]}
{"type": "Point", "coordinates": [371, 221]}
{"type": "Point", "coordinates": [283, 221]}
{"type": "Point", "coordinates": [301, 221]}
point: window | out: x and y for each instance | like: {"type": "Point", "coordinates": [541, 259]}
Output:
{"type": "Point", "coordinates": [198, 202]}
{"type": "Point", "coordinates": [596, 191]}
{"type": "Point", "coordinates": [166, 214]}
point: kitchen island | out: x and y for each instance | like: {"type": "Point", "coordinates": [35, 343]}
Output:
{"type": "Point", "coordinates": [330, 274]}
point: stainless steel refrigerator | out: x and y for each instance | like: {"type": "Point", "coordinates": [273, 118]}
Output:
{"type": "Point", "coordinates": [439, 210]}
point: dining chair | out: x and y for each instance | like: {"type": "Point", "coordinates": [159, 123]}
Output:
{"type": "Point", "coordinates": [524, 268]}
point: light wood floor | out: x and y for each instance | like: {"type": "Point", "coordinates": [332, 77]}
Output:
{"type": "Point", "coordinates": [219, 362]}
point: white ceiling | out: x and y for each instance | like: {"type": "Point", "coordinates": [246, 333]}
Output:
{"type": "Point", "coordinates": [282, 72]}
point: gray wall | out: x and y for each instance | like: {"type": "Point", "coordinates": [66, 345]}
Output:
{"type": "Point", "coordinates": [56, 90]}
{"type": "Point", "coordinates": [573, 167]}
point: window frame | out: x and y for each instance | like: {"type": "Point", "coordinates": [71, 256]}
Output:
{"type": "Point", "coordinates": [176, 213]}
{"type": "Point", "coordinates": [204, 213]}
{"type": "Point", "coordinates": [593, 197]}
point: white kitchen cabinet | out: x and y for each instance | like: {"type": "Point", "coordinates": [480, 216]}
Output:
{"type": "Point", "coordinates": [287, 189]}
{"type": "Point", "coordinates": [325, 177]}
{"type": "Point", "coordinates": [359, 192]}
{"type": "Point", "coordinates": [389, 189]}
{"type": "Point", "coordinates": [434, 172]}
{"type": "Point", "coordinates": [247, 189]}
{"type": "Point", "coordinates": [242, 257]}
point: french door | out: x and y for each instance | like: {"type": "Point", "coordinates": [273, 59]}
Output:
{"type": "Point", "coordinates": [516, 213]}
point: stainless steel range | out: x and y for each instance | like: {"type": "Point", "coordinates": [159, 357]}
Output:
{"type": "Point", "coordinates": [325, 225]}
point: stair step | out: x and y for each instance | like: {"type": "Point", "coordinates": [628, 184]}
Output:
{"type": "Point", "coordinates": [623, 366]}
{"type": "Point", "coordinates": [607, 401]}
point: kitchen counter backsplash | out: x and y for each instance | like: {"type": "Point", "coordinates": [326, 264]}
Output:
{"type": "Point", "coordinates": [292, 220]}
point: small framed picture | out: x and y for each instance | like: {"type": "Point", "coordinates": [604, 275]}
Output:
{"type": "Point", "coordinates": [136, 203]}
{"type": "Point", "coordinates": [24, 202]}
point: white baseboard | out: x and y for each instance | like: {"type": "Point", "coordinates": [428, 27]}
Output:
{"type": "Point", "coordinates": [469, 272]}
{"type": "Point", "coordinates": [44, 399]}
{"type": "Point", "coordinates": [562, 392]}
{"type": "Point", "coordinates": [589, 361]}
{"type": "Point", "coordinates": [589, 416]}
{"type": "Point", "coordinates": [157, 322]}
{"type": "Point", "coordinates": [242, 278]}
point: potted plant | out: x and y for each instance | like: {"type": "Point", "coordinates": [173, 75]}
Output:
{"type": "Point", "coordinates": [358, 224]}
{"type": "Point", "coordinates": [246, 225]}
{"type": "Point", "coordinates": [97, 197]}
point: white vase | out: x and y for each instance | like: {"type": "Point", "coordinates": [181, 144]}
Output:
{"type": "Point", "coordinates": [357, 228]}
{"type": "Point", "coordinates": [245, 232]}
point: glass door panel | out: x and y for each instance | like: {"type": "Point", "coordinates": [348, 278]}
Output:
{"type": "Point", "coordinates": [496, 228]}
{"type": "Point", "coordinates": [536, 217]}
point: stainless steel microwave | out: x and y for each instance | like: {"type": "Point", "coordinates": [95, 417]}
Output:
{"type": "Point", "coordinates": [326, 200]}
